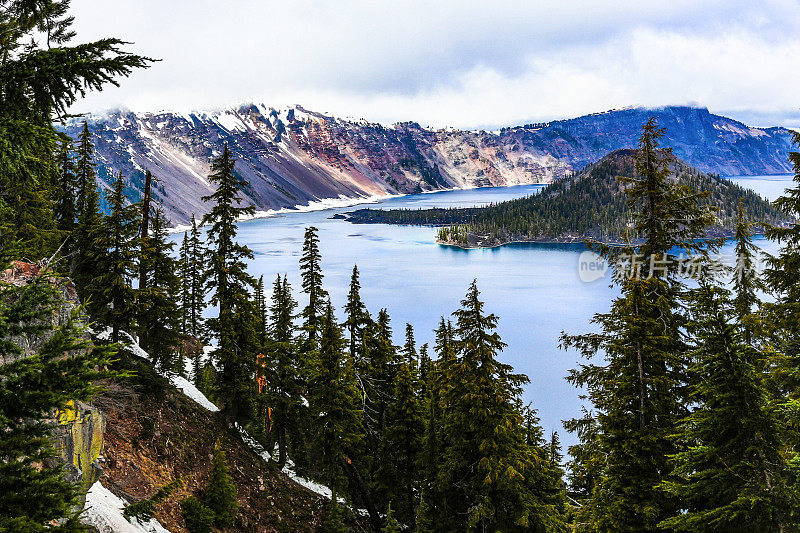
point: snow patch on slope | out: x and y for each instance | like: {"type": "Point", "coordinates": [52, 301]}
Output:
{"type": "Point", "coordinates": [191, 391]}
{"type": "Point", "coordinates": [312, 205]}
{"type": "Point", "coordinates": [313, 486]}
{"type": "Point", "coordinates": [288, 469]}
{"type": "Point", "coordinates": [104, 511]}
{"type": "Point", "coordinates": [231, 121]}
{"type": "Point", "coordinates": [322, 205]}
{"type": "Point", "coordinates": [179, 382]}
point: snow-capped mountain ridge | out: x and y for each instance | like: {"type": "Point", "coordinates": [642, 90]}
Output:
{"type": "Point", "coordinates": [293, 156]}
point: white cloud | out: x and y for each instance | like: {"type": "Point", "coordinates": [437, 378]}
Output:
{"type": "Point", "coordinates": [457, 63]}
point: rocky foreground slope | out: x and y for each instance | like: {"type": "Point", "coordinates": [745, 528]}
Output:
{"type": "Point", "coordinates": [146, 431]}
{"type": "Point", "coordinates": [295, 157]}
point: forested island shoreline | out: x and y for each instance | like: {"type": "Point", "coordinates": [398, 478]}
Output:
{"type": "Point", "coordinates": [724, 234]}
{"type": "Point", "coordinates": [592, 205]}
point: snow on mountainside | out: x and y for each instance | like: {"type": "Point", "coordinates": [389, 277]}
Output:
{"type": "Point", "coordinates": [294, 157]}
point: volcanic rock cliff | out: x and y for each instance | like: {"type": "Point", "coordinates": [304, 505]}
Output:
{"type": "Point", "coordinates": [294, 157]}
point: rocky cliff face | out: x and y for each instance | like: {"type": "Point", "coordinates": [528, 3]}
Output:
{"type": "Point", "coordinates": [79, 427]}
{"type": "Point", "coordinates": [20, 274]}
{"type": "Point", "coordinates": [294, 157]}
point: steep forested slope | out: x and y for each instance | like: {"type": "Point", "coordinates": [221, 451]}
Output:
{"type": "Point", "coordinates": [155, 435]}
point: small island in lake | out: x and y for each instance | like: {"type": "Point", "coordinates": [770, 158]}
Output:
{"type": "Point", "coordinates": [591, 205]}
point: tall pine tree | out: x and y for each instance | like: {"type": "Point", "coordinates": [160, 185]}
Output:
{"type": "Point", "coordinates": [228, 281]}
{"type": "Point", "coordinates": [356, 312]}
{"type": "Point", "coordinates": [498, 481]}
{"type": "Point", "coordinates": [402, 444]}
{"type": "Point", "coordinates": [113, 283]}
{"type": "Point", "coordinates": [285, 387]}
{"type": "Point", "coordinates": [159, 315]}
{"type": "Point", "coordinates": [728, 474]}
{"type": "Point", "coordinates": [183, 273]}
{"type": "Point", "coordinates": [311, 273]}
{"type": "Point", "coordinates": [194, 279]}
{"type": "Point", "coordinates": [64, 194]}
{"type": "Point", "coordinates": [782, 277]}
{"type": "Point", "coordinates": [746, 279]}
{"type": "Point", "coordinates": [640, 391]}
{"type": "Point", "coordinates": [90, 232]}
{"type": "Point", "coordinates": [336, 403]}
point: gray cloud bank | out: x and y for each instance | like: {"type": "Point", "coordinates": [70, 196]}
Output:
{"type": "Point", "coordinates": [457, 63]}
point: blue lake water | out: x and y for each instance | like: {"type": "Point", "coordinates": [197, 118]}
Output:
{"type": "Point", "coordinates": [533, 288]}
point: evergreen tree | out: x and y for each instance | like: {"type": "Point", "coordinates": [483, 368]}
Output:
{"type": "Point", "coordinates": [260, 304]}
{"type": "Point", "coordinates": [640, 389]}
{"type": "Point", "coordinates": [402, 443]}
{"type": "Point", "coordinates": [410, 347]}
{"type": "Point", "coordinates": [90, 235]}
{"type": "Point", "coordinates": [355, 311]}
{"type": "Point", "coordinates": [228, 281]}
{"type": "Point", "coordinates": [335, 402]}
{"type": "Point", "coordinates": [311, 273]}
{"type": "Point", "coordinates": [555, 450]}
{"type": "Point", "coordinates": [585, 469]}
{"type": "Point", "coordinates": [666, 214]}
{"type": "Point", "coordinates": [782, 277]}
{"type": "Point", "coordinates": [497, 480]}
{"type": "Point", "coordinates": [118, 264]}
{"type": "Point", "coordinates": [41, 77]}
{"type": "Point", "coordinates": [746, 280]}
{"type": "Point", "coordinates": [286, 384]}
{"type": "Point", "coordinates": [144, 244]}
{"type": "Point", "coordinates": [728, 474]}
{"type": "Point", "coordinates": [383, 361]}
{"type": "Point", "coordinates": [85, 167]}
{"type": "Point", "coordinates": [445, 339]}
{"type": "Point", "coordinates": [220, 494]}
{"type": "Point", "coordinates": [32, 386]}
{"type": "Point", "coordinates": [432, 508]}
{"type": "Point", "coordinates": [392, 526]}
{"type": "Point", "coordinates": [333, 522]}
{"type": "Point", "coordinates": [159, 314]}
{"type": "Point", "coordinates": [64, 194]}
{"type": "Point", "coordinates": [375, 363]}
{"type": "Point", "coordinates": [424, 370]}
{"type": "Point", "coordinates": [196, 286]}
{"type": "Point", "coordinates": [185, 281]}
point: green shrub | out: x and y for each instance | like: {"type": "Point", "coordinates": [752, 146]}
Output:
{"type": "Point", "coordinates": [220, 495]}
{"type": "Point", "coordinates": [198, 517]}
{"type": "Point", "coordinates": [144, 509]}
{"type": "Point", "coordinates": [333, 520]}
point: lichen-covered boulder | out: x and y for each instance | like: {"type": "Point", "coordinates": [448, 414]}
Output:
{"type": "Point", "coordinates": [79, 440]}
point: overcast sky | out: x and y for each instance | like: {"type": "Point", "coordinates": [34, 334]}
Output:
{"type": "Point", "coordinates": [456, 63]}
